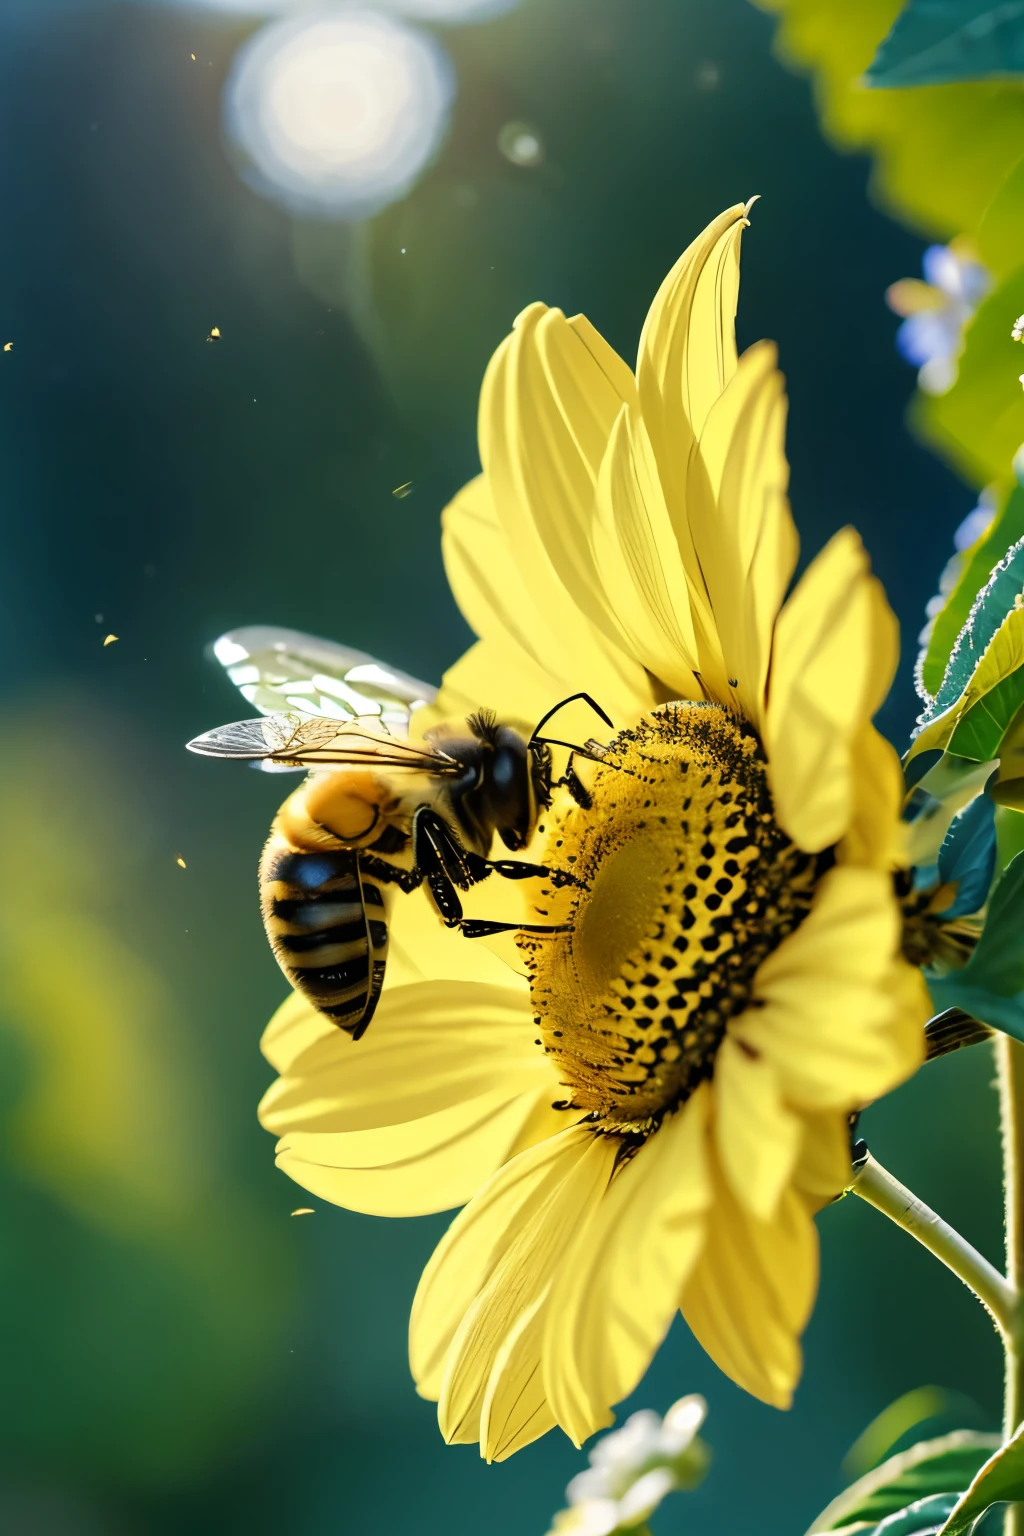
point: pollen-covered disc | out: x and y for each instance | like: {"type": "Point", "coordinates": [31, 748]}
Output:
{"type": "Point", "coordinates": [686, 885]}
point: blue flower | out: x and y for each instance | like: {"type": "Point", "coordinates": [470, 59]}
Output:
{"type": "Point", "coordinates": [937, 311]}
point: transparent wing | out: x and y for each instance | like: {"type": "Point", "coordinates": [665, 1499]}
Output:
{"type": "Point", "coordinates": [291, 741]}
{"type": "Point", "coordinates": [283, 669]}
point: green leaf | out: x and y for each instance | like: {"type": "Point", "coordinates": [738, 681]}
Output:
{"type": "Point", "coordinates": [991, 606]}
{"type": "Point", "coordinates": [1000, 237]}
{"type": "Point", "coordinates": [931, 1467]}
{"type": "Point", "coordinates": [908, 1412]}
{"type": "Point", "coordinates": [979, 423]}
{"type": "Point", "coordinates": [1007, 527]}
{"type": "Point", "coordinates": [1003, 1013]}
{"type": "Point", "coordinates": [940, 153]}
{"type": "Point", "coordinates": [981, 730]}
{"type": "Point", "coordinates": [998, 960]}
{"type": "Point", "coordinates": [921, 1519]}
{"type": "Point", "coordinates": [935, 42]}
{"type": "Point", "coordinates": [926, 1516]}
{"type": "Point", "coordinates": [991, 984]}
{"type": "Point", "coordinates": [1002, 657]}
{"type": "Point", "coordinates": [1000, 1481]}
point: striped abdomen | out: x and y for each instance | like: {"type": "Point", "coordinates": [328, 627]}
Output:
{"type": "Point", "coordinates": [327, 925]}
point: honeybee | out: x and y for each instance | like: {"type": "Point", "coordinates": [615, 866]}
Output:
{"type": "Point", "coordinates": [375, 811]}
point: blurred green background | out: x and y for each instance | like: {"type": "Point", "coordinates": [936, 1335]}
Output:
{"type": "Point", "coordinates": [178, 1352]}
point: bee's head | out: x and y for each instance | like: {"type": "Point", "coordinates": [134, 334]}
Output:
{"type": "Point", "coordinates": [509, 778]}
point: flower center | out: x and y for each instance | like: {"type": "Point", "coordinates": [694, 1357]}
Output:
{"type": "Point", "coordinates": [685, 885]}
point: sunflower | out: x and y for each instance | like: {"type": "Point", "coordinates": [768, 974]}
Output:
{"type": "Point", "coordinates": [647, 1114]}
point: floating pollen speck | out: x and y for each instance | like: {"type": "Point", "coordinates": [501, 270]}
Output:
{"type": "Point", "coordinates": [110, 639]}
{"type": "Point", "coordinates": [401, 491]}
{"type": "Point", "coordinates": [1018, 329]}
{"type": "Point", "coordinates": [304, 1210]}
{"type": "Point", "coordinates": [193, 58]}
{"type": "Point", "coordinates": [181, 862]}
{"type": "Point", "coordinates": [214, 334]}
{"type": "Point", "coordinates": [8, 346]}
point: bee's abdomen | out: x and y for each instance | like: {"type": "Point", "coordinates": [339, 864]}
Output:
{"type": "Point", "coordinates": [327, 925]}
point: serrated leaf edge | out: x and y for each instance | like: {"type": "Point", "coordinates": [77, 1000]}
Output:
{"type": "Point", "coordinates": [937, 731]}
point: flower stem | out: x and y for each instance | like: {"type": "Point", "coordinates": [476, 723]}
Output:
{"type": "Point", "coordinates": [878, 1187]}
{"type": "Point", "coordinates": [1010, 1065]}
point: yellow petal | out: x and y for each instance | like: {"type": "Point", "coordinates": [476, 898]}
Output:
{"type": "Point", "coordinates": [876, 837]}
{"type": "Point", "coordinates": [474, 1244]}
{"type": "Point", "coordinates": [550, 396]}
{"type": "Point", "coordinates": [823, 1167]}
{"type": "Point", "coordinates": [493, 1385]}
{"type": "Point", "coordinates": [757, 1137]}
{"type": "Point", "coordinates": [543, 1123]}
{"type": "Point", "coordinates": [912, 1008]}
{"type": "Point", "coordinates": [431, 1045]}
{"type": "Point", "coordinates": [639, 562]}
{"type": "Point", "coordinates": [557, 650]}
{"type": "Point", "coordinates": [620, 1283]}
{"type": "Point", "coordinates": [752, 1291]}
{"type": "Point", "coordinates": [421, 1166]}
{"type": "Point", "coordinates": [830, 667]}
{"type": "Point", "coordinates": [688, 344]}
{"type": "Point", "coordinates": [825, 1014]}
{"type": "Point", "coordinates": [493, 674]}
{"type": "Point", "coordinates": [743, 532]}
{"type": "Point", "coordinates": [687, 357]}
{"type": "Point", "coordinates": [423, 949]}
{"type": "Point", "coordinates": [292, 1030]}
{"type": "Point", "coordinates": [884, 639]}
{"type": "Point", "coordinates": [486, 583]}
{"type": "Point", "coordinates": [514, 1411]}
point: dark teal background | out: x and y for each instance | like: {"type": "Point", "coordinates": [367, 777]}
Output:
{"type": "Point", "coordinates": [178, 1354]}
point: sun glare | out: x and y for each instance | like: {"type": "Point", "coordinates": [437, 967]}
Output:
{"type": "Point", "coordinates": [336, 115]}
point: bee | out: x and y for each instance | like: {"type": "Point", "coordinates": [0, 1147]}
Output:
{"type": "Point", "coordinates": [376, 811]}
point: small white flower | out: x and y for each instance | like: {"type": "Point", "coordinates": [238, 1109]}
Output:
{"type": "Point", "coordinates": [640, 1501]}
{"type": "Point", "coordinates": [682, 1422]}
{"type": "Point", "coordinates": [632, 1469]}
{"type": "Point", "coordinates": [936, 312]}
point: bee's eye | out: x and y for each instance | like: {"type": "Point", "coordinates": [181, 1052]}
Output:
{"type": "Point", "coordinates": [504, 770]}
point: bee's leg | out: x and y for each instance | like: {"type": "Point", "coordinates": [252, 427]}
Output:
{"type": "Point", "coordinates": [443, 863]}
{"type": "Point", "coordinates": [571, 781]}
{"type": "Point", "coordinates": [517, 869]}
{"type": "Point", "coordinates": [436, 844]}
{"type": "Point", "coordinates": [480, 928]}
{"type": "Point", "coordinates": [407, 880]}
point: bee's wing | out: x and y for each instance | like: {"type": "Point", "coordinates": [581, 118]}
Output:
{"type": "Point", "coordinates": [290, 740]}
{"type": "Point", "coordinates": [283, 669]}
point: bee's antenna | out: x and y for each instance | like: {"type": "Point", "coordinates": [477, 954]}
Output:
{"type": "Point", "coordinates": [591, 749]}
{"type": "Point", "coordinates": [554, 711]}
{"type": "Point", "coordinates": [573, 746]}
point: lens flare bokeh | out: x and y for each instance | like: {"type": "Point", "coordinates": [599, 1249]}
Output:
{"type": "Point", "coordinates": [452, 11]}
{"type": "Point", "coordinates": [335, 115]}
{"type": "Point", "coordinates": [238, 10]}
